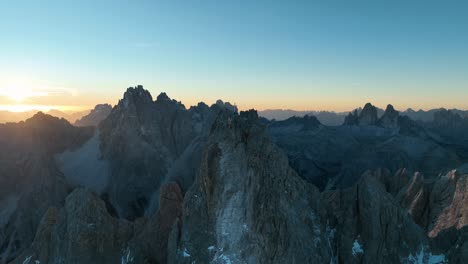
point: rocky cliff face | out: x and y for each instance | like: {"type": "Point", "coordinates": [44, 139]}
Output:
{"type": "Point", "coordinates": [367, 116]}
{"type": "Point", "coordinates": [369, 226]}
{"type": "Point", "coordinates": [295, 124]}
{"type": "Point", "coordinates": [210, 185]}
{"type": "Point", "coordinates": [150, 142]}
{"type": "Point", "coordinates": [436, 204]}
{"type": "Point", "coordinates": [142, 138]}
{"type": "Point", "coordinates": [30, 181]}
{"type": "Point", "coordinates": [83, 231]}
{"type": "Point", "coordinates": [99, 113]}
{"type": "Point", "coordinates": [244, 206]}
{"type": "Point", "coordinates": [335, 157]}
{"type": "Point", "coordinates": [450, 129]}
{"type": "Point", "coordinates": [389, 118]}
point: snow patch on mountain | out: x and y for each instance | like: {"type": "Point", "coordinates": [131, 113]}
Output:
{"type": "Point", "coordinates": [357, 248]}
{"type": "Point", "coordinates": [127, 257]}
{"type": "Point", "coordinates": [424, 257]}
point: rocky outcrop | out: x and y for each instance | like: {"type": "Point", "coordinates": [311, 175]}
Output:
{"type": "Point", "coordinates": [390, 118]}
{"type": "Point", "coordinates": [210, 185]}
{"type": "Point", "coordinates": [151, 243]}
{"type": "Point", "coordinates": [151, 142]}
{"type": "Point", "coordinates": [142, 138]}
{"type": "Point", "coordinates": [446, 118]}
{"type": "Point", "coordinates": [368, 115]}
{"type": "Point", "coordinates": [448, 203]}
{"type": "Point", "coordinates": [30, 181]}
{"type": "Point", "coordinates": [244, 206]}
{"type": "Point", "coordinates": [352, 119]}
{"type": "Point", "coordinates": [99, 113]}
{"type": "Point", "coordinates": [436, 204]}
{"type": "Point", "coordinates": [450, 129]}
{"type": "Point", "coordinates": [369, 227]}
{"type": "Point", "coordinates": [336, 157]}
{"type": "Point", "coordinates": [83, 231]}
{"type": "Point", "coordinates": [295, 124]}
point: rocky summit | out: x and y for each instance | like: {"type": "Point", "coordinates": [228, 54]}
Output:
{"type": "Point", "coordinates": [99, 113]}
{"type": "Point", "coordinates": [152, 181]}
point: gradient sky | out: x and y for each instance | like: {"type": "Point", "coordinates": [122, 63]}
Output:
{"type": "Point", "coordinates": [314, 55]}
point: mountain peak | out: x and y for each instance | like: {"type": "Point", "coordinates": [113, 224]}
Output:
{"type": "Point", "coordinates": [351, 119]}
{"type": "Point", "coordinates": [163, 97]}
{"type": "Point", "coordinates": [390, 117]}
{"type": "Point", "coordinates": [136, 95]}
{"type": "Point", "coordinates": [250, 115]}
{"type": "Point", "coordinates": [99, 113]}
{"type": "Point", "coordinates": [41, 119]}
{"type": "Point", "coordinates": [226, 105]}
{"type": "Point", "coordinates": [368, 115]}
{"type": "Point", "coordinates": [390, 108]}
{"type": "Point", "coordinates": [101, 107]}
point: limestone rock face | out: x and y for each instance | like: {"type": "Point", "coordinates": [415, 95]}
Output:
{"type": "Point", "coordinates": [142, 139]}
{"type": "Point", "coordinates": [99, 113]}
{"type": "Point", "coordinates": [367, 219]}
{"type": "Point", "coordinates": [336, 157]}
{"type": "Point", "coordinates": [151, 243]}
{"type": "Point", "coordinates": [30, 181]}
{"type": "Point", "coordinates": [210, 185]}
{"type": "Point", "coordinates": [389, 118]}
{"type": "Point", "coordinates": [352, 119]}
{"type": "Point", "coordinates": [438, 206]}
{"type": "Point", "coordinates": [295, 124]}
{"type": "Point", "coordinates": [368, 115]}
{"type": "Point", "coordinates": [244, 206]}
{"type": "Point", "coordinates": [449, 203]}
{"type": "Point", "coordinates": [83, 231]}
{"type": "Point", "coordinates": [450, 129]}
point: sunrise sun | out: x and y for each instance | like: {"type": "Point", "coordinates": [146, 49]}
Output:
{"type": "Point", "coordinates": [19, 91]}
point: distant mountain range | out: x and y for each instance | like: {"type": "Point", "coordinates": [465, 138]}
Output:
{"type": "Point", "coordinates": [331, 118]}
{"type": "Point", "coordinates": [70, 116]}
{"type": "Point", "coordinates": [152, 181]}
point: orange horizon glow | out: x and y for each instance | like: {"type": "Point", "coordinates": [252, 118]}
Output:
{"type": "Point", "coordinates": [20, 108]}
{"type": "Point", "coordinates": [20, 94]}
{"type": "Point", "coordinates": [323, 106]}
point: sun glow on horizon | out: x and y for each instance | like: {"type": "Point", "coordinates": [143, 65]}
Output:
{"type": "Point", "coordinates": [17, 108]}
{"type": "Point", "coordinates": [18, 94]}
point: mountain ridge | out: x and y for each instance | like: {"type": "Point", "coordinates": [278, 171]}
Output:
{"type": "Point", "coordinates": [213, 185]}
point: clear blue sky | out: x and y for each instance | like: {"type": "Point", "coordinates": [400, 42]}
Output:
{"type": "Point", "coordinates": [333, 55]}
